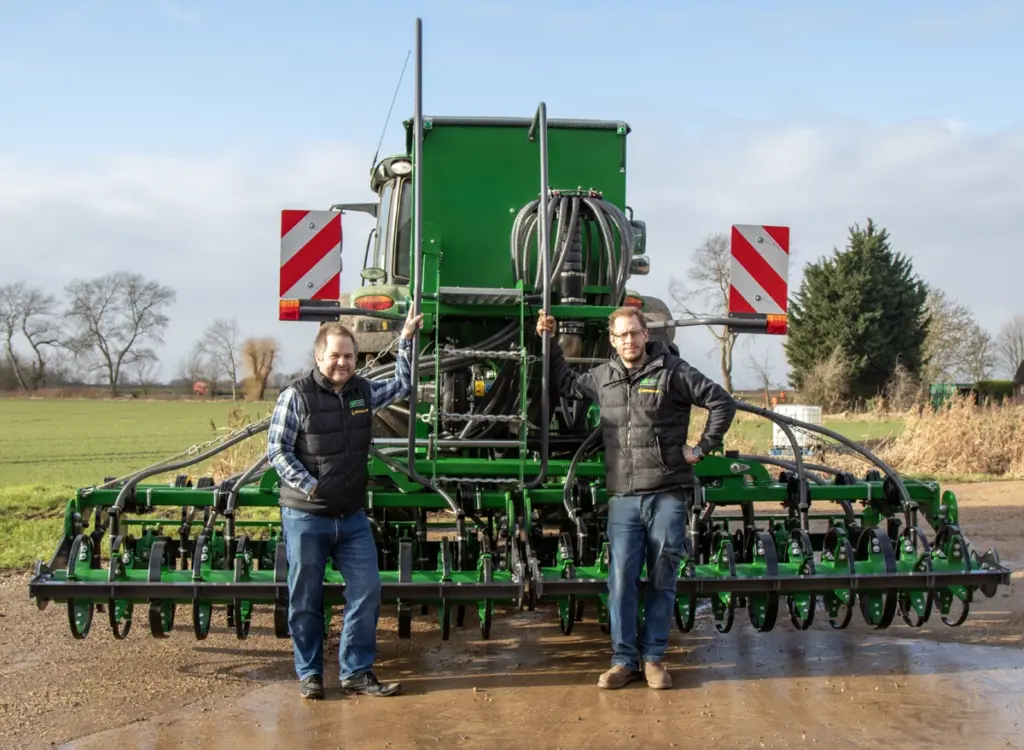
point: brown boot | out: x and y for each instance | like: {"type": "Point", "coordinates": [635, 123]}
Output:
{"type": "Point", "coordinates": [657, 676]}
{"type": "Point", "coordinates": [616, 677]}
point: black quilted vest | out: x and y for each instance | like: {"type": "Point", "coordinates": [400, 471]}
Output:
{"type": "Point", "coordinates": [333, 444]}
{"type": "Point", "coordinates": [645, 426]}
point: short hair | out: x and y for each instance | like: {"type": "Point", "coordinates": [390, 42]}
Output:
{"type": "Point", "coordinates": [333, 328]}
{"type": "Point", "coordinates": [627, 312]}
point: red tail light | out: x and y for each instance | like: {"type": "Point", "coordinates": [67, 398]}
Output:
{"type": "Point", "coordinates": [288, 309]}
{"type": "Point", "coordinates": [632, 301]}
{"type": "Point", "coordinates": [777, 324]}
{"type": "Point", "coordinates": [374, 302]}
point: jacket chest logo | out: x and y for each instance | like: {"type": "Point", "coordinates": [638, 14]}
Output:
{"type": "Point", "coordinates": [649, 385]}
{"type": "Point", "coordinates": [357, 406]}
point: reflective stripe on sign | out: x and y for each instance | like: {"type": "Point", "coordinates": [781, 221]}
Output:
{"type": "Point", "coordinates": [760, 269]}
{"type": "Point", "coordinates": [310, 254]}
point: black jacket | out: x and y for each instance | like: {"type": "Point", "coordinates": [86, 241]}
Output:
{"type": "Point", "coordinates": [333, 444]}
{"type": "Point", "coordinates": [645, 416]}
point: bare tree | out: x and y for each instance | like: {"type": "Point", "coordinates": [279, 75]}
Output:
{"type": "Point", "coordinates": [195, 366]}
{"type": "Point", "coordinates": [115, 316]}
{"type": "Point", "coordinates": [828, 382]}
{"type": "Point", "coordinates": [709, 276]}
{"type": "Point", "coordinates": [259, 356]}
{"type": "Point", "coordinates": [1009, 344]}
{"type": "Point", "coordinates": [220, 343]}
{"type": "Point", "coordinates": [981, 357]}
{"type": "Point", "coordinates": [761, 365]}
{"type": "Point", "coordinates": [142, 367]}
{"type": "Point", "coordinates": [957, 347]}
{"type": "Point", "coordinates": [30, 313]}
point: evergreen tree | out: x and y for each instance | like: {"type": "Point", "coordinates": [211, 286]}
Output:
{"type": "Point", "coordinates": [865, 300]}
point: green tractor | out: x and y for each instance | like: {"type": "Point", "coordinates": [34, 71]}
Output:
{"type": "Point", "coordinates": [486, 487]}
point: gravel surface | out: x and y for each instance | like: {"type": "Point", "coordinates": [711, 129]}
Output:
{"type": "Point", "coordinates": [529, 681]}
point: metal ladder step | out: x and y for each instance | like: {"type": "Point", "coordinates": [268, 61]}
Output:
{"type": "Point", "coordinates": [479, 295]}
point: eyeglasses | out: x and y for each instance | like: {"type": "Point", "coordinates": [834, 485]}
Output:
{"type": "Point", "coordinates": [636, 333]}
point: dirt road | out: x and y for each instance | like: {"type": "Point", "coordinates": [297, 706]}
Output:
{"type": "Point", "coordinates": [529, 684]}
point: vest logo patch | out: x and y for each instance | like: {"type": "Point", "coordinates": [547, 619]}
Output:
{"type": "Point", "coordinates": [649, 385]}
{"type": "Point", "coordinates": [357, 406]}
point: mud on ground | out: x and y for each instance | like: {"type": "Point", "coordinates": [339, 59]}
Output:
{"type": "Point", "coordinates": [900, 687]}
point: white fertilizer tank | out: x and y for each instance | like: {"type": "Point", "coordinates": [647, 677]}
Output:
{"type": "Point", "coordinates": [807, 440]}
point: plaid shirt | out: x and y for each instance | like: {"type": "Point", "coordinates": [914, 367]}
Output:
{"type": "Point", "coordinates": [290, 412]}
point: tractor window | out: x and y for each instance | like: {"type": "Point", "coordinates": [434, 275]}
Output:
{"type": "Point", "coordinates": [402, 267]}
{"type": "Point", "coordinates": [379, 256]}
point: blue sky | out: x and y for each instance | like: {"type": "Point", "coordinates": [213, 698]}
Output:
{"type": "Point", "coordinates": [90, 78]}
{"type": "Point", "coordinates": [128, 125]}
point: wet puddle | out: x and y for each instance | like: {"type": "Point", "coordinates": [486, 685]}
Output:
{"type": "Point", "coordinates": [737, 690]}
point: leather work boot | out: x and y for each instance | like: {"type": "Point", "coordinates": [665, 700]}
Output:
{"type": "Point", "coordinates": [368, 684]}
{"type": "Point", "coordinates": [657, 676]}
{"type": "Point", "coordinates": [312, 687]}
{"type": "Point", "coordinates": [616, 677]}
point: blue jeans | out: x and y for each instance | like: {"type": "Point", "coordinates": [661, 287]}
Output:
{"type": "Point", "coordinates": [651, 529]}
{"type": "Point", "coordinates": [310, 540]}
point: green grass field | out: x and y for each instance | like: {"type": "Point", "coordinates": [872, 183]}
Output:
{"type": "Point", "coordinates": [760, 431]}
{"type": "Point", "coordinates": [51, 447]}
{"type": "Point", "coordinates": [48, 448]}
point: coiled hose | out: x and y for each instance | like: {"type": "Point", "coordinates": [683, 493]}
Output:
{"type": "Point", "coordinates": [578, 214]}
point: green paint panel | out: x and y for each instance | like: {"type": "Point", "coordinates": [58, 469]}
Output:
{"type": "Point", "coordinates": [477, 177]}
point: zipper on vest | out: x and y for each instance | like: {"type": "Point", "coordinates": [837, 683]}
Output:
{"type": "Point", "coordinates": [629, 436]}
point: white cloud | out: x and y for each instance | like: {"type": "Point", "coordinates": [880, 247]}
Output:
{"type": "Point", "coordinates": [208, 228]}
{"type": "Point", "coordinates": [949, 197]}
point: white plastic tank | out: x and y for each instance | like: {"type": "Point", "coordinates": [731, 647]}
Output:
{"type": "Point", "coordinates": [806, 439]}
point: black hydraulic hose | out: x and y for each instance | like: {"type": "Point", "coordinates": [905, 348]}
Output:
{"type": "Point", "coordinates": [570, 476]}
{"type": "Point", "coordinates": [627, 237]}
{"type": "Point", "coordinates": [803, 501]}
{"type": "Point", "coordinates": [495, 340]}
{"type": "Point", "coordinates": [547, 216]}
{"type": "Point", "coordinates": [783, 464]}
{"type": "Point", "coordinates": [609, 247]}
{"type": "Point", "coordinates": [243, 480]}
{"type": "Point", "coordinates": [427, 484]}
{"type": "Point", "coordinates": [498, 402]}
{"type": "Point", "coordinates": [565, 233]}
{"type": "Point", "coordinates": [570, 216]}
{"type": "Point", "coordinates": [237, 481]}
{"type": "Point", "coordinates": [888, 470]}
{"type": "Point", "coordinates": [525, 215]}
{"type": "Point", "coordinates": [130, 485]}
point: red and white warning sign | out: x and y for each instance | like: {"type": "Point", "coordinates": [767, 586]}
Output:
{"type": "Point", "coordinates": [310, 254]}
{"type": "Point", "coordinates": [760, 269]}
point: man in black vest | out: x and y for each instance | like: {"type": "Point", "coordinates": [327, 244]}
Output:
{"type": "Point", "coordinates": [644, 394]}
{"type": "Point", "coordinates": [319, 443]}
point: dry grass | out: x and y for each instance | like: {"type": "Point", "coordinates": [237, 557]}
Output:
{"type": "Point", "coordinates": [240, 456]}
{"type": "Point", "coordinates": [962, 441]}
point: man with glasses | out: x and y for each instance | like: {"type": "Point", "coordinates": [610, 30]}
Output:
{"type": "Point", "coordinates": [645, 393]}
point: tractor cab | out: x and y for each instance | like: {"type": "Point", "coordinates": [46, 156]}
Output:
{"type": "Point", "coordinates": [386, 261]}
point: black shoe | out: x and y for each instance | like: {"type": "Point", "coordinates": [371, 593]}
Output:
{"type": "Point", "coordinates": [368, 684]}
{"type": "Point", "coordinates": [312, 687]}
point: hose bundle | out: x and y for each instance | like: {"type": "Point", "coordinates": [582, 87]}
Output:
{"type": "Point", "coordinates": [585, 221]}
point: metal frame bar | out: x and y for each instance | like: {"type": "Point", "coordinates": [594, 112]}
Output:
{"type": "Point", "coordinates": [59, 591]}
{"type": "Point", "coordinates": [182, 591]}
{"type": "Point", "coordinates": [540, 121]}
